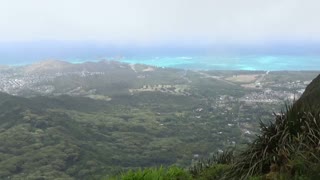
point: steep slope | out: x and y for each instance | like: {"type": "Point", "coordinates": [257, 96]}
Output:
{"type": "Point", "coordinates": [287, 148]}
{"type": "Point", "coordinates": [311, 96]}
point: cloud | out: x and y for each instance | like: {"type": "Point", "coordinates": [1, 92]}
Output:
{"type": "Point", "coordinates": [154, 21]}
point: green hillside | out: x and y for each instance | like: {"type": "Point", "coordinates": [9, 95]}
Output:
{"type": "Point", "coordinates": [95, 120]}
{"type": "Point", "coordinates": [81, 138]}
{"type": "Point", "coordinates": [286, 148]}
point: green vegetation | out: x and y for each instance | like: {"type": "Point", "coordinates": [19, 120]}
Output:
{"type": "Point", "coordinates": [287, 148]}
{"type": "Point", "coordinates": [83, 138]}
{"type": "Point", "coordinates": [171, 173]}
{"type": "Point", "coordinates": [215, 167]}
{"type": "Point", "coordinates": [89, 125]}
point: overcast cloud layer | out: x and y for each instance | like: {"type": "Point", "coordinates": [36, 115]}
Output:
{"type": "Point", "coordinates": [154, 21]}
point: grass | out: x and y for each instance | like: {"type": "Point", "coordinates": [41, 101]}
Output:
{"type": "Point", "coordinates": [295, 134]}
{"type": "Point", "coordinates": [161, 173]}
{"type": "Point", "coordinates": [287, 148]}
{"type": "Point", "coordinates": [215, 165]}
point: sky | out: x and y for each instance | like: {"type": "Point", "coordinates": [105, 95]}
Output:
{"type": "Point", "coordinates": [146, 22]}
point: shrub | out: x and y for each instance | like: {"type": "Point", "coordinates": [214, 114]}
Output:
{"type": "Point", "coordinates": [171, 173]}
{"type": "Point", "coordinates": [213, 168]}
{"type": "Point", "coordinates": [295, 134]}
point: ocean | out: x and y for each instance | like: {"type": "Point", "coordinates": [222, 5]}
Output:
{"type": "Point", "coordinates": [252, 62]}
{"type": "Point", "coordinates": [242, 62]}
{"type": "Point", "coordinates": [298, 57]}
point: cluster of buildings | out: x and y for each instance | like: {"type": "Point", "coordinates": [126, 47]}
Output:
{"type": "Point", "coordinates": [15, 81]}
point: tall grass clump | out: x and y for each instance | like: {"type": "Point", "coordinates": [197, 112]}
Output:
{"type": "Point", "coordinates": [289, 145]}
{"type": "Point", "coordinates": [161, 173]}
{"type": "Point", "coordinates": [214, 167]}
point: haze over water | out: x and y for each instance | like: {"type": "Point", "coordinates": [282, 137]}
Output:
{"type": "Point", "coordinates": [196, 57]}
{"type": "Point", "coordinates": [251, 35]}
{"type": "Point", "coordinates": [241, 62]}
{"type": "Point", "coordinates": [249, 62]}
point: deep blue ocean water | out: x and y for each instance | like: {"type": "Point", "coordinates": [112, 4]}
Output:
{"type": "Point", "coordinates": [243, 62]}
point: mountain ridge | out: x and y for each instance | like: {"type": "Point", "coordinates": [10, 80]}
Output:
{"type": "Point", "coordinates": [311, 95]}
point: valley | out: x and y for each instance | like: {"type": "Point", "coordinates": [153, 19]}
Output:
{"type": "Point", "coordinates": [93, 119]}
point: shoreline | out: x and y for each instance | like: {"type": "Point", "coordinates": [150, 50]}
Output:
{"type": "Point", "coordinates": [230, 63]}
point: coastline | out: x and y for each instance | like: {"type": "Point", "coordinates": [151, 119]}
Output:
{"type": "Point", "coordinates": [233, 63]}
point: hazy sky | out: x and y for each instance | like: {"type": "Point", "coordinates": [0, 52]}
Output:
{"type": "Point", "coordinates": [154, 21]}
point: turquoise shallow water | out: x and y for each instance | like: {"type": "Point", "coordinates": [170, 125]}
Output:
{"type": "Point", "coordinates": [269, 63]}
{"type": "Point", "coordinates": [244, 62]}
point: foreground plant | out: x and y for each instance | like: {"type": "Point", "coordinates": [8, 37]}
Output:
{"type": "Point", "coordinates": [161, 173]}
{"type": "Point", "coordinates": [295, 134]}
{"type": "Point", "coordinates": [213, 168]}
